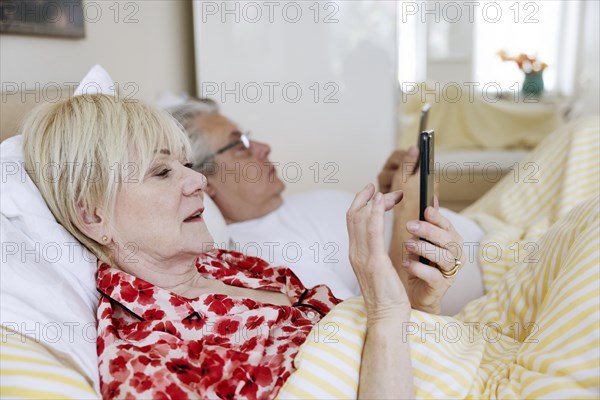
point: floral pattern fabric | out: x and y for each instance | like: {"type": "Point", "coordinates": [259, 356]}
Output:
{"type": "Point", "coordinates": [156, 344]}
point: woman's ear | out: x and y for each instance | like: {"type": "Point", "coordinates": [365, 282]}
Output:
{"type": "Point", "coordinates": [93, 223]}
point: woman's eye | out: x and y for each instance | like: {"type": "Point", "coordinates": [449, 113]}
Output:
{"type": "Point", "coordinates": [164, 172]}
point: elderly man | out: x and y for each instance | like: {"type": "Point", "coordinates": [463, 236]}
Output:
{"type": "Point", "coordinates": [307, 231]}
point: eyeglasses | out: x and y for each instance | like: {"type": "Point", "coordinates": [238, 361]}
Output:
{"type": "Point", "coordinates": [244, 140]}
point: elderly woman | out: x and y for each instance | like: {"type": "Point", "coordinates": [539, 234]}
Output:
{"type": "Point", "coordinates": [179, 319]}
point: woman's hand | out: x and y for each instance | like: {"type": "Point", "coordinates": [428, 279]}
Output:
{"type": "Point", "coordinates": [385, 369]}
{"type": "Point", "coordinates": [425, 285]}
{"type": "Point", "coordinates": [436, 240]}
{"type": "Point", "coordinates": [384, 294]}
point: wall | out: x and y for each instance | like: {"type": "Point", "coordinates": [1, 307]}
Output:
{"type": "Point", "coordinates": [147, 45]}
{"type": "Point", "coordinates": [330, 116]}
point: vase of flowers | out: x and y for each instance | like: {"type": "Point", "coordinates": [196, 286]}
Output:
{"type": "Point", "coordinates": [533, 84]}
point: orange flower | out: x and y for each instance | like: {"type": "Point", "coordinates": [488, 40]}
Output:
{"type": "Point", "coordinates": [527, 64]}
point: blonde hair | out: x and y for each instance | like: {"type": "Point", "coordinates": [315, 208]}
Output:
{"type": "Point", "coordinates": [80, 151]}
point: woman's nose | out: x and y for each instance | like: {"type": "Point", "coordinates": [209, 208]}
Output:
{"type": "Point", "coordinates": [194, 183]}
{"type": "Point", "coordinates": [261, 150]}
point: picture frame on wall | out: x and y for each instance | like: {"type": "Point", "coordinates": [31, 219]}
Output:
{"type": "Point", "coordinates": [58, 18]}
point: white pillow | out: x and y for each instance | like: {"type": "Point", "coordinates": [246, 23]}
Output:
{"type": "Point", "coordinates": [97, 80]}
{"type": "Point", "coordinates": [47, 280]}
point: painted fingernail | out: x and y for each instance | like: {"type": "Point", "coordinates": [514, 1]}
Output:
{"type": "Point", "coordinates": [411, 245]}
{"type": "Point", "coordinates": [412, 226]}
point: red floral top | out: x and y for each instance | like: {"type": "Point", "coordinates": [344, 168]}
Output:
{"type": "Point", "coordinates": [156, 344]}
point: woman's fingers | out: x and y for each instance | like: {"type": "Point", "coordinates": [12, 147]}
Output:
{"type": "Point", "coordinates": [434, 234]}
{"type": "Point", "coordinates": [441, 244]}
{"type": "Point", "coordinates": [430, 275]}
{"type": "Point", "coordinates": [366, 223]}
{"type": "Point", "coordinates": [434, 216]}
{"type": "Point", "coordinates": [375, 225]}
{"type": "Point", "coordinates": [445, 258]}
{"type": "Point", "coordinates": [352, 215]}
{"type": "Point", "coordinates": [362, 198]}
{"type": "Point", "coordinates": [356, 220]}
{"type": "Point", "coordinates": [436, 229]}
{"type": "Point", "coordinates": [391, 199]}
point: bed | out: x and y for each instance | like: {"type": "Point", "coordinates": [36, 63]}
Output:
{"type": "Point", "coordinates": [49, 301]}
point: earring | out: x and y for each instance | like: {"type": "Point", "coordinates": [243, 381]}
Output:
{"type": "Point", "coordinates": [105, 238]}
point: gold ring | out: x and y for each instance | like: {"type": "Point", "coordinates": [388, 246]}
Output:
{"type": "Point", "coordinates": [453, 271]}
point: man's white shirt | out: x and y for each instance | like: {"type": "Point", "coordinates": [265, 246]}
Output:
{"type": "Point", "coordinates": [308, 234]}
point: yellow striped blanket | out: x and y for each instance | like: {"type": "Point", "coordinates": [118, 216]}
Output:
{"type": "Point", "coordinates": [534, 335]}
{"type": "Point", "coordinates": [29, 370]}
{"type": "Point", "coordinates": [536, 332]}
{"type": "Point", "coordinates": [558, 174]}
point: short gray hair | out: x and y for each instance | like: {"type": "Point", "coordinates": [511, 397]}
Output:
{"type": "Point", "coordinates": [186, 114]}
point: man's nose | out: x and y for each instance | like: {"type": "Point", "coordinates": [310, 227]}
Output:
{"type": "Point", "coordinates": [260, 150]}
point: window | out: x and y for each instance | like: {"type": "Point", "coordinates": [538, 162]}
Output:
{"type": "Point", "coordinates": [456, 41]}
{"type": "Point", "coordinates": [546, 30]}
